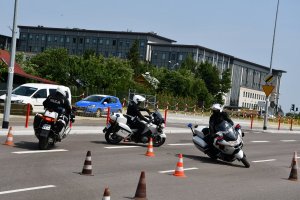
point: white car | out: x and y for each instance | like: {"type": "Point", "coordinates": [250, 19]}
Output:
{"type": "Point", "coordinates": [34, 94]}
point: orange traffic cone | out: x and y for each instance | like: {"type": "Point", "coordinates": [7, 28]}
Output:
{"type": "Point", "coordinates": [140, 193]}
{"type": "Point", "coordinates": [9, 139]}
{"type": "Point", "coordinates": [106, 194]}
{"type": "Point", "coordinates": [179, 171]}
{"type": "Point", "coordinates": [87, 167]}
{"type": "Point", "coordinates": [150, 149]}
{"type": "Point", "coordinates": [293, 174]}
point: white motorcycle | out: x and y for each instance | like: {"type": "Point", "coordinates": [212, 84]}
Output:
{"type": "Point", "coordinates": [118, 129]}
{"type": "Point", "coordinates": [227, 144]}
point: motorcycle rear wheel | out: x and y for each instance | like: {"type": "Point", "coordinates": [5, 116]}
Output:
{"type": "Point", "coordinates": [43, 143]}
{"type": "Point", "coordinates": [245, 161]}
{"type": "Point", "coordinates": [112, 138]}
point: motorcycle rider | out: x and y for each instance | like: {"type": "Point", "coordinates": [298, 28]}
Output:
{"type": "Point", "coordinates": [134, 112]}
{"type": "Point", "coordinates": [215, 119]}
{"type": "Point", "coordinates": [60, 104]}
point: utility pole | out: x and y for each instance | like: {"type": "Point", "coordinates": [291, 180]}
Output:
{"type": "Point", "coordinates": [267, 97]}
{"type": "Point", "coordinates": [11, 68]}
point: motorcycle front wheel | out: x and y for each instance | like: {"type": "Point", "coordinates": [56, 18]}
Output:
{"type": "Point", "coordinates": [158, 141]}
{"type": "Point", "coordinates": [245, 161]}
{"type": "Point", "coordinates": [112, 138]}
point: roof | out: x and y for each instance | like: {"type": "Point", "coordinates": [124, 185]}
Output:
{"type": "Point", "coordinates": [152, 34]}
{"type": "Point", "coordinates": [5, 57]}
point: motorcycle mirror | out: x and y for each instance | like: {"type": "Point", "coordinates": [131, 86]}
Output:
{"type": "Point", "coordinates": [117, 115]}
{"type": "Point", "coordinates": [190, 125]}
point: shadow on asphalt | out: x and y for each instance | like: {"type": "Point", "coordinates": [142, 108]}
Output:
{"type": "Point", "coordinates": [27, 145]}
{"type": "Point", "coordinates": [209, 160]}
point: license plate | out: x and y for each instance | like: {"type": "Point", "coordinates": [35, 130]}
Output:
{"type": "Point", "coordinates": [46, 127]}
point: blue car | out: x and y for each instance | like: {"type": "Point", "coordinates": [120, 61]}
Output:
{"type": "Point", "coordinates": [98, 104]}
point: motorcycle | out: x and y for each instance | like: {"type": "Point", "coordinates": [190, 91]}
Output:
{"type": "Point", "coordinates": [118, 129]}
{"type": "Point", "coordinates": [227, 145]}
{"type": "Point", "coordinates": [45, 132]}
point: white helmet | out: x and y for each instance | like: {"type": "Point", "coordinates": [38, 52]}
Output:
{"type": "Point", "coordinates": [61, 90]}
{"type": "Point", "coordinates": [216, 107]}
{"type": "Point", "coordinates": [138, 98]}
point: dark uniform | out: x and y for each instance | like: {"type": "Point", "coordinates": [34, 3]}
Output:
{"type": "Point", "coordinates": [134, 110]}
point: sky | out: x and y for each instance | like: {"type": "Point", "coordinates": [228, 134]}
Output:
{"type": "Point", "coordinates": [241, 28]}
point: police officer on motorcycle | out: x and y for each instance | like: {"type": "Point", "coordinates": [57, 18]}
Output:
{"type": "Point", "coordinates": [134, 111]}
{"type": "Point", "coordinates": [60, 104]}
{"type": "Point", "coordinates": [215, 119]}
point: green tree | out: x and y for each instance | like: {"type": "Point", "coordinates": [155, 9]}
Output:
{"type": "Point", "coordinates": [53, 64]}
{"type": "Point", "coordinates": [134, 56]}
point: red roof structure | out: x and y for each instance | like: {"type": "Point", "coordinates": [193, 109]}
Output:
{"type": "Point", "coordinates": [5, 57]}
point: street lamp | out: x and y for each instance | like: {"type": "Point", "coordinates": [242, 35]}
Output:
{"type": "Point", "coordinates": [267, 98]}
{"type": "Point", "coordinates": [11, 68]}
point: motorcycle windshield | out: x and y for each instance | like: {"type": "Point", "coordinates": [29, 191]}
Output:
{"type": "Point", "coordinates": [229, 134]}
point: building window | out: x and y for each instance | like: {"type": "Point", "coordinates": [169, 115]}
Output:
{"type": "Point", "coordinates": [43, 37]}
{"type": "Point", "coordinates": [114, 42]}
{"type": "Point", "coordinates": [81, 40]}
{"type": "Point", "coordinates": [121, 43]}
{"type": "Point", "coordinates": [94, 41]}
{"type": "Point", "coordinates": [55, 39]}
{"type": "Point", "coordinates": [30, 36]}
{"type": "Point", "coordinates": [49, 38]}
{"type": "Point", "coordinates": [127, 43]}
{"type": "Point", "coordinates": [180, 57]}
{"type": "Point", "coordinates": [107, 42]}
{"type": "Point", "coordinates": [61, 39]}
{"type": "Point", "coordinates": [163, 56]}
{"type": "Point", "coordinates": [74, 41]}
{"type": "Point", "coordinates": [87, 40]}
{"type": "Point", "coordinates": [68, 39]}
{"type": "Point", "coordinates": [37, 37]}
{"type": "Point", "coordinates": [100, 41]}
{"type": "Point", "coordinates": [142, 44]}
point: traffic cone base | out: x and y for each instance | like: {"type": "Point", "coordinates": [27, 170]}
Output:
{"type": "Point", "coordinates": [9, 139]}
{"type": "Point", "coordinates": [294, 175]}
{"type": "Point", "coordinates": [87, 167]}
{"type": "Point", "coordinates": [179, 171]}
{"type": "Point", "coordinates": [140, 193]}
{"type": "Point", "coordinates": [106, 194]}
{"type": "Point", "coordinates": [150, 152]}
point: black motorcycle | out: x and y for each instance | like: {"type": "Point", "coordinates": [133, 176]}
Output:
{"type": "Point", "coordinates": [46, 129]}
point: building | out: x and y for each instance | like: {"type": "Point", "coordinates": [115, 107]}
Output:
{"type": "Point", "coordinates": [77, 41]}
{"type": "Point", "coordinates": [247, 77]}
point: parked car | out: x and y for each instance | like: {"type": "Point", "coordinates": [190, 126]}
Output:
{"type": "Point", "coordinates": [98, 104]}
{"type": "Point", "coordinates": [34, 94]}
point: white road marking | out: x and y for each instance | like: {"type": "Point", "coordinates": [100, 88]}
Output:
{"type": "Point", "coordinates": [258, 161]}
{"type": "Point", "coordinates": [121, 147]}
{"type": "Point", "coordinates": [168, 171]}
{"type": "Point", "coordinates": [288, 140]}
{"type": "Point", "coordinates": [259, 141]}
{"type": "Point", "coordinates": [40, 151]}
{"type": "Point", "coordinates": [182, 144]}
{"type": "Point", "coordinates": [27, 189]}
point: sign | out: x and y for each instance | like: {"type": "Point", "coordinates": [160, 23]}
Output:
{"type": "Point", "coordinates": [269, 78]}
{"type": "Point", "coordinates": [268, 89]}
